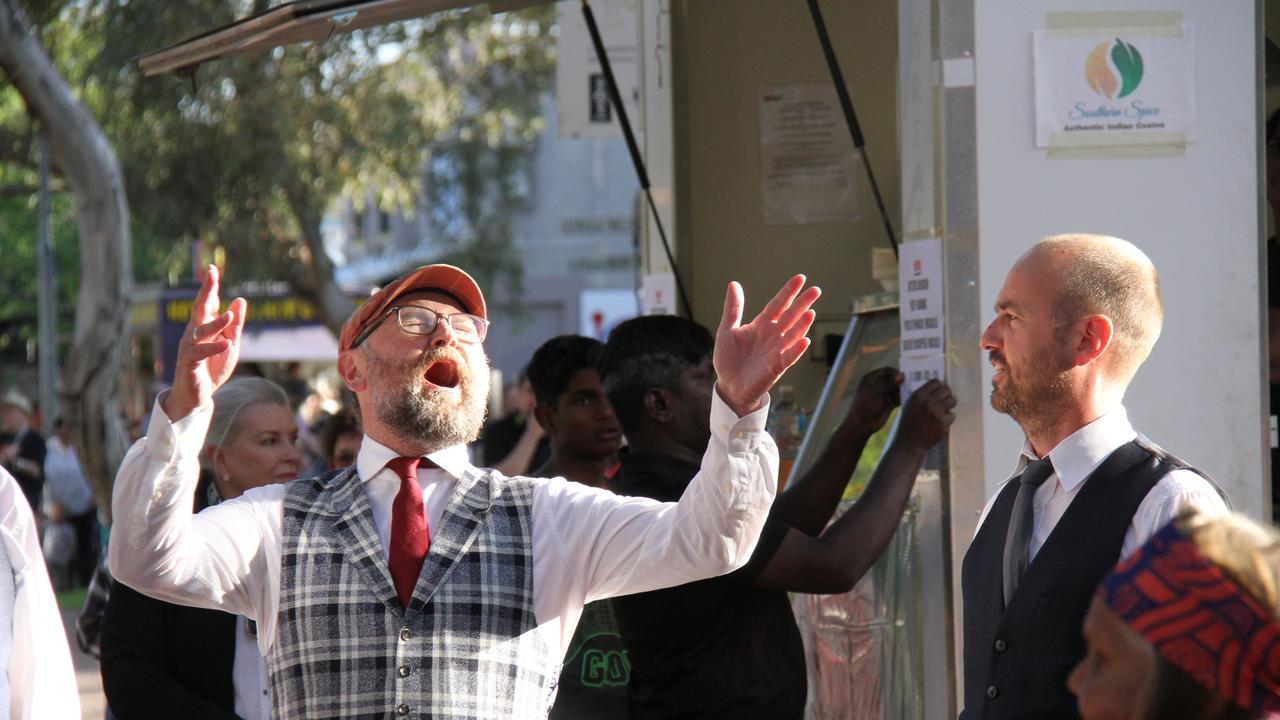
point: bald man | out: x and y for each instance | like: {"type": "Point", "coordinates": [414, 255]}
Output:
{"type": "Point", "coordinates": [1075, 319]}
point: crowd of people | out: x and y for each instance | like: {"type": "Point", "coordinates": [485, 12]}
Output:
{"type": "Point", "coordinates": [616, 546]}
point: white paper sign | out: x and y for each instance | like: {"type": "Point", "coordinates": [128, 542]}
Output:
{"type": "Point", "coordinates": [920, 369]}
{"type": "Point", "coordinates": [806, 156]}
{"type": "Point", "coordinates": [920, 297]}
{"type": "Point", "coordinates": [659, 294]}
{"type": "Point", "coordinates": [601, 309]}
{"type": "Point", "coordinates": [1105, 90]}
{"type": "Point", "coordinates": [583, 109]}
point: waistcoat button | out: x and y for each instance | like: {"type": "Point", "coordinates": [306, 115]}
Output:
{"type": "Point", "coordinates": [1001, 646]}
{"type": "Point", "coordinates": [403, 709]}
{"type": "Point", "coordinates": [404, 633]}
{"type": "Point", "coordinates": [991, 692]}
{"type": "Point", "coordinates": [405, 670]}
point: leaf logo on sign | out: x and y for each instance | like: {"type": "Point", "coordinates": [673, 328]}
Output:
{"type": "Point", "coordinates": [1120, 76]}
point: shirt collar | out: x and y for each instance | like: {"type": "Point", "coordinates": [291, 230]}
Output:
{"type": "Point", "coordinates": [1080, 453]}
{"type": "Point", "coordinates": [374, 456]}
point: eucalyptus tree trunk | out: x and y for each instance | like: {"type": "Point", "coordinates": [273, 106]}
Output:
{"type": "Point", "coordinates": [86, 161]}
{"type": "Point", "coordinates": [313, 278]}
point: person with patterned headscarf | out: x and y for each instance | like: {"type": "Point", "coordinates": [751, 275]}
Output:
{"type": "Point", "coordinates": [1187, 627]}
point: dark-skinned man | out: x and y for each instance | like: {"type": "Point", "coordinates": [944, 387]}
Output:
{"type": "Point", "coordinates": [729, 647]}
{"type": "Point", "coordinates": [570, 405]}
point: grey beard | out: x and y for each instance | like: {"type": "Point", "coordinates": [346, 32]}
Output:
{"type": "Point", "coordinates": [431, 421]}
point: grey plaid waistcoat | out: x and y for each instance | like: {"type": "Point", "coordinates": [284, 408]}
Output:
{"type": "Point", "coordinates": [465, 648]}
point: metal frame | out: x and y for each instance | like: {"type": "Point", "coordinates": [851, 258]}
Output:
{"type": "Point", "coordinates": [299, 21]}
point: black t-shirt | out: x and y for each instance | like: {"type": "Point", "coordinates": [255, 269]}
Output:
{"type": "Point", "coordinates": [28, 465]}
{"type": "Point", "coordinates": [593, 681]}
{"type": "Point", "coordinates": [716, 648]}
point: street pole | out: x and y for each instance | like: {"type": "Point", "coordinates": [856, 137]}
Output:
{"type": "Point", "coordinates": [47, 317]}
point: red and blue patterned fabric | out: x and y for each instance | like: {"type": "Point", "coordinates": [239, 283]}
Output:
{"type": "Point", "coordinates": [1200, 620]}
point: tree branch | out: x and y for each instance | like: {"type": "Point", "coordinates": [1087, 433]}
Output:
{"type": "Point", "coordinates": [92, 367]}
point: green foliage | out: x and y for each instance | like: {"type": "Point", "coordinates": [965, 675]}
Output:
{"type": "Point", "coordinates": [437, 113]}
{"type": "Point", "coordinates": [19, 232]}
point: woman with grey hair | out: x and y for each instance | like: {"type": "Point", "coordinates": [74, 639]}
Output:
{"type": "Point", "coordinates": [165, 660]}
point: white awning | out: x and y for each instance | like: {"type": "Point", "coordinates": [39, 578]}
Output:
{"type": "Point", "coordinates": [306, 343]}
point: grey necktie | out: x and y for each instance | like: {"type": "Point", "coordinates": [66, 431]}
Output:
{"type": "Point", "coordinates": [1018, 538]}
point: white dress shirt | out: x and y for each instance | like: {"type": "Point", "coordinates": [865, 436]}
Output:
{"type": "Point", "coordinates": [42, 681]}
{"type": "Point", "coordinates": [249, 675]}
{"type": "Point", "coordinates": [1077, 456]}
{"type": "Point", "coordinates": [588, 543]}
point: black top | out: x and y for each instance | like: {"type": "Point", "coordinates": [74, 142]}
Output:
{"type": "Point", "coordinates": [28, 467]}
{"type": "Point", "coordinates": [715, 648]}
{"type": "Point", "coordinates": [1017, 656]}
{"type": "Point", "coordinates": [165, 660]}
{"type": "Point", "coordinates": [593, 681]}
{"type": "Point", "coordinates": [499, 438]}
{"type": "Point", "coordinates": [161, 660]}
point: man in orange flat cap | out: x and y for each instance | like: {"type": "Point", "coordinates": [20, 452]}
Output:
{"type": "Point", "coordinates": [414, 583]}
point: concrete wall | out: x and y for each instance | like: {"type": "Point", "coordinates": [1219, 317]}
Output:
{"type": "Point", "coordinates": [1197, 216]}
{"type": "Point", "coordinates": [724, 51]}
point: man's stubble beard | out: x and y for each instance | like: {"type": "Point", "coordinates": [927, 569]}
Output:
{"type": "Point", "coordinates": [431, 419]}
{"type": "Point", "coordinates": [1038, 400]}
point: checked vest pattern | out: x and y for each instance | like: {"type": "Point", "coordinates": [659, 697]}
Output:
{"type": "Point", "coordinates": [466, 646]}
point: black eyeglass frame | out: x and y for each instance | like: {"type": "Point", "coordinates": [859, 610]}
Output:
{"type": "Point", "coordinates": [482, 325]}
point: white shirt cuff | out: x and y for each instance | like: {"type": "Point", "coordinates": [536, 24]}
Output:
{"type": "Point", "coordinates": [175, 442]}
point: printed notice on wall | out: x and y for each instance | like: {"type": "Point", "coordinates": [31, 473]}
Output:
{"type": "Point", "coordinates": [1116, 87]}
{"type": "Point", "coordinates": [806, 157]}
{"type": "Point", "coordinates": [920, 369]}
{"type": "Point", "coordinates": [920, 310]}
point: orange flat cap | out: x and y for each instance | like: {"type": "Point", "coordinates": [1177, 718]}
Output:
{"type": "Point", "coordinates": [441, 278]}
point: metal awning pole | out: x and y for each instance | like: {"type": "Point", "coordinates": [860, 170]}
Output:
{"type": "Point", "coordinates": [636, 160]}
{"type": "Point", "coordinates": [850, 117]}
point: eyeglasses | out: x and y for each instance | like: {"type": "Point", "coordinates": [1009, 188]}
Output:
{"type": "Point", "coordinates": [416, 320]}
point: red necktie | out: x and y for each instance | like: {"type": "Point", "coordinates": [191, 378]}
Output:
{"type": "Point", "coordinates": [409, 536]}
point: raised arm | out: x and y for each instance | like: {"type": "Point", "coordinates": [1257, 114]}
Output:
{"type": "Point", "coordinates": [834, 561]}
{"type": "Point", "coordinates": [810, 499]}
{"type": "Point", "coordinates": [157, 547]}
{"type": "Point", "coordinates": [208, 351]}
{"type": "Point", "coordinates": [750, 358]}
{"type": "Point", "coordinates": [625, 545]}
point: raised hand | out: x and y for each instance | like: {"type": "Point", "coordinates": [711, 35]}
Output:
{"type": "Point", "coordinates": [927, 415]}
{"type": "Point", "coordinates": [874, 399]}
{"type": "Point", "coordinates": [208, 350]}
{"type": "Point", "coordinates": [750, 358]}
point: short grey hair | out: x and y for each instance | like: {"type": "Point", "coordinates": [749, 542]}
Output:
{"type": "Point", "coordinates": [1098, 274]}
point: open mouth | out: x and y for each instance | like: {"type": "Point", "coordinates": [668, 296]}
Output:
{"type": "Point", "coordinates": [443, 373]}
